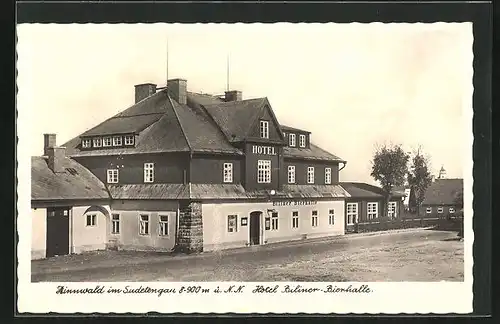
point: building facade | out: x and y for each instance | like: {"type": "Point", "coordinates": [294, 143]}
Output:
{"type": "Point", "coordinates": [194, 172]}
{"type": "Point", "coordinates": [441, 198]}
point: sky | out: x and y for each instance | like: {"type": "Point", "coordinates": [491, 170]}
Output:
{"type": "Point", "coordinates": [352, 85]}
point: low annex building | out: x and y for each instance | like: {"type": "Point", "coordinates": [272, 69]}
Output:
{"type": "Point", "coordinates": [195, 172]}
{"type": "Point", "coordinates": [440, 198]}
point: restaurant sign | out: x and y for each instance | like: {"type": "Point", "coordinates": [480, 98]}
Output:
{"type": "Point", "coordinates": [294, 203]}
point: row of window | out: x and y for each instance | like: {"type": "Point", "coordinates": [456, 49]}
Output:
{"type": "Point", "coordinates": [108, 141]}
{"type": "Point", "coordinates": [440, 210]}
{"type": "Point", "coordinates": [272, 224]}
{"type": "Point", "coordinates": [372, 211]}
{"type": "Point", "coordinates": [263, 173]}
{"type": "Point", "coordinates": [264, 133]}
{"type": "Point", "coordinates": [144, 219]}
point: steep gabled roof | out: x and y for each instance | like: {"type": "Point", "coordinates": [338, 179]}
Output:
{"type": "Point", "coordinates": [76, 182]}
{"type": "Point", "coordinates": [443, 191]}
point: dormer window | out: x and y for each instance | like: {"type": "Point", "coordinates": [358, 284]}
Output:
{"type": "Point", "coordinates": [302, 140]}
{"type": "Point", "coordinates": [97, 142]}
{"type": "Point", "coordinates": [117, 141]}
{"type": "Point", "coordinates": [291, 140]}
{"type": "Point", "coordinates": [264, 129]}
{"type": "Point", "coordinates": [86, 143]}
{"type": "Point", "coordinates": [106, 141]}
{"type": "Point", "coordinates": [129, 140]}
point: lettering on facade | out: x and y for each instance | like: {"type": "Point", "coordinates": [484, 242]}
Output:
{"type": "Point", "coordinates": [294, 203]}
{"type": "Point", "coordinates": [265, 150]}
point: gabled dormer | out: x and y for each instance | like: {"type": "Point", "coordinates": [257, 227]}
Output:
{"type": "Point", "coordinates": [296, 138]}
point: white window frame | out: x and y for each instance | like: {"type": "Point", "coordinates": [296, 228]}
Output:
{"type": "Point", "coordinates": [328, 175]}
{"type": "Point", "coordinates": [352, 212]}
{"type": "Point", "coordinates": [129, 140]}
{"type": "Point", "coordinates": [117, 141]}
{"type": "Point", "coordinates": [392, 210]}
{"type": "Point", "coordinates": [227, 173]}
{"type": "Point", "coordinates": [163, 229]}
{"type": "Point", "coordinates": [149, 172]}
{"type": "Point", "coordinates": [440, 210]}
{"type": "Point", "coordinates": [86, 143]}
{"type": "Point", "coordinates": [113, 175]}
{"type": "Point", "coordinates": [428, 210]}
{"type": "Point", "coordinates": [274, 221]}
{"type": "Point", "coordinates": [264, 129]}
{"type": "Point", "coordinates": [144, 228]}
{"type": "Point", "coordinates": [264, 171]}
{"type": "Point", "coordinates": [314, 218]}
{"type": "Point", "coordinates": [93, 220]}
{"type": "Point", "coordinates": [291, 174]}
{"type": "Point", "coordinates": [310, 175]}
{"type": "Point", "coordinates": [302, 140]}
{"type": "Point", "coordinates": [115, 223]}
{"type": "Point", "coordinates": [106, 141]}
{"type": "Point", "coordinates": [232, 228]}
{"type": "Point", "coordinates": [295, 219]}
{"type": "Point", "coordinates": [291, 140]}
{"type": "Point", "coordinates": [451, 210]}
{"type": "Point", "coordinates": [97, 142]}
{"type": "Point", "coordinates": [372, 210]}
{"type": "Point", "coordinates": [331, 217]}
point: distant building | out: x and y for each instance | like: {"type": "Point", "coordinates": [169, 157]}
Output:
{"type": "Point", "coordinates": [440, 197]}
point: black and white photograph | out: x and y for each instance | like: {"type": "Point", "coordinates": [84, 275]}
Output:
{"type": "Point", "coordinates": [253, 159]}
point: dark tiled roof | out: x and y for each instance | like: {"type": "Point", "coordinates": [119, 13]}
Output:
{"type": "Point", "coordinates": [147, 191]}
{"type": "Point", "coordinates": [293, 129]}
{"type": "Point", "coordinates": [443, 191]}
{"type": "Point", "coordinates": [312, 153]}
{"type": "Point", "coordinates": [235, 117]}
{"type": "Point", "coordinates": [75, 183]}
{"type": "Point", "coordinates": [365, 190]}
{"type": "Point", "coordinates": [315, 191]}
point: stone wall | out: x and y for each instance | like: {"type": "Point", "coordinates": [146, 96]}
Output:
{"type": "Point", "coordinates": [190, 235]}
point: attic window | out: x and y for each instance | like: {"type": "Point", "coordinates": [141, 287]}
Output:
{"type": "Point", "coordinates": [291, 140]}
{"type": "Point", "coordinates": [86, 143]}
{"type": "Point", "coordinates": [302, 140]}
{"type": "Point", "coordinates": [97, 142]}
{"type": "Point", "coordinates": [264, 129]}
{"type": "Point", "coordinates": [129, 140]}
{"type": "Point", "coordinates": [117, 141]}
{"type": "Point", "coordinates": [106, 141]}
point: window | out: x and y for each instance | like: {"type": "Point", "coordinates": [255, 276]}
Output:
{"type": "Point", "coordinates": [284, 134]}
{"type": "Point", "coordinates": [113, 176]}
{"type": "Point", "coordinates": [314, 219]}
{"type": "Point", "coordinates": [302, 140]}
{"type": "Point", "coordinates": [91, 220]}
{"type": "Point", "coordinates": [310, 175]}
{"type": "Point", "coordinates": [264, 129]}
{"type": "Point", "coordinates": [352, 213]}
{"type": "Point", "coordinates": [117, 141]}
{"type": "Point", "coordinates": [428, 210]}
{"type": "Point", "coordinates": [149, 169]}
{"type": "Point", "coordinates": [106, 141]}
{"type": "Point", "coordinates": [232, 223]}
{"type": "Point", "coordinates": [263, 171]}
{"type": "Point", "coordinates": [115, 224]}
{"type": "Point", "coordinates": [391, 210]}
{"type": "Point", "coordinates": [163, 229]}
{"type": "Point", "coordinates": [440, 210]}
{"type": "Point", "coordinates": [86, 143]}
{"type": "Point", "coordinates": [291, 174]}
{"type": "Point", "coordinates": [328, 175]}
{"type": "Point", "coordinates": [291, 140]}
{"type": "Point", "coordinates": [295, 219]}
{"type": "Point", "coordinates": [97, 142]}
{"type": "Point", "coordinates": [373, 210]}
{"type": "Point", "coordinates": [129, 140]}
{"type": "Point", "coordinates": [331, 217]}
{"type": "Point", "coordinates": [144, 224]}
{"type": "Point", "coordinates": [228, 172]}
{"type": "Point", "coordinates": [274, 221]}
{"type": "Point", "coordinates": [451, 210]}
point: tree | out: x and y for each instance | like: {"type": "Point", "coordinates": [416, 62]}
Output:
{"type": "Point", "coordinates": [389, 168]}
{"type": "Point", "coordinates": [419, 177]}
{"type": "Point", "coordinates": [459, 199]}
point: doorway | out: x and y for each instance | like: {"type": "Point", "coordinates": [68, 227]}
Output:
{"type": "Point", "coordinates": [57, 231]}
{"type": "Point", "coordinates": [255, 228]}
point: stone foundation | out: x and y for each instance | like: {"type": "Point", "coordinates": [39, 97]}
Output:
{"type": "Point", "coordinates": [190, 234]}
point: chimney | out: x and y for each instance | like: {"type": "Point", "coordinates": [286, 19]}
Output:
{"type": "Point", "coordinates": [144, 90]}
{"type": "Point", "coordinates": [233, 95]}
{"type": "Point", "coordinates": [56, 158]}
{"type": "Point", "coordinates": [177, 89]}
{"type": "Point", "coordinates": [49, 140]}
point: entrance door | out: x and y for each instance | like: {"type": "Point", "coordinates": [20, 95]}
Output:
{"type": "Point", "coordinates": [57, 231]}
{"type": "Point", "coordinates": [255, 228]}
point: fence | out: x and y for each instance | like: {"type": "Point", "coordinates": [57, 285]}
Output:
{"type": "Point", "coordinates": [402, 223]}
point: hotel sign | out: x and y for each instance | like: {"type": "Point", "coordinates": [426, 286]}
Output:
{"type": "Point", "coordinates": [265, 150]}
{"type": "Point", "coordinates": [294, 203]}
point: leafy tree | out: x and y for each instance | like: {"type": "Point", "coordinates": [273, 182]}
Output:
{"type": "Point", "coordinates": [459, 199]}
{"type": "Point", "coordinates": [419, 177]}
{"type": "Point", "coordinates": [389, 168]}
